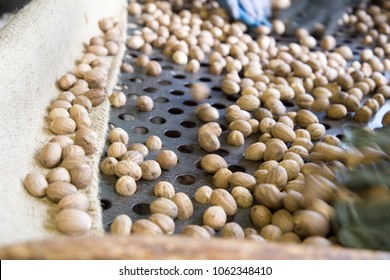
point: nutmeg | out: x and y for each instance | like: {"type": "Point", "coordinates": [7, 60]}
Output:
{"type": "Point", "coordinates": [107, 166]}
{"type": "Point", "coordinates": [121, 225]}
{"type": "Point", "coordinates": [153, 142]}
{"type": "Point", "coordinates": [209, 141]}
{"type": "Point", "coordinates": [126, 185]}
{"type": "Point", "coordinates": [58, 190]}
{"type": "Point", "coordinates": [195, 231]}
{"type": "Point", "coordinates": [151, 170]}
{"type": "Point", "coordinates": [73, 222]}
{"type": "Point", "coordinates": [128, 168]}
{"type": "Point", "coordinates": [74, 201]}
{"type": "Point", "coordinates": [184, 206]}
{"type": "Point", "coordinates": [164, 206]}
{"type": "Point", "coordinates": [117, 99]}
{"type": "Point", "coordinates": [118, 134]}
{"type": "Point", "coordinates": [81, 176]}
{"type": "Point", "coordinates": [166, 223]}
{"type": "Point", "coordinates": [50, 155]}
{"type": "Point", "coordinates": [153, 68]}
{"type": "Point", "coordinates": [215, 217]}
{"type": "Point", "coordinates": [221, 197]}
{"type": "Point", "coordinates": [260, 215]}
{"type": "Point", "coordinates": [63, 125]}
{"type": "Point", "coordinates": [166, 159]}
{"type": "Point", "coordinates": [144, 103]}
{"type": "Point", "coordinates": [36, 184]}
{"type": "Point", "coordinates": [87, 139]}
{"type": "Point", "coordinates": [164, 189]}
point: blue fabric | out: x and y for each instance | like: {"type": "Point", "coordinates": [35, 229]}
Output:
{"type": "Point", "coordinates": [251, 12]}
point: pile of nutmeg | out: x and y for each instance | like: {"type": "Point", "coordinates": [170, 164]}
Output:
{"type": "Point", "coordinates": [67, 155]}
{"type": "Point", "coordinates": [291, 193]}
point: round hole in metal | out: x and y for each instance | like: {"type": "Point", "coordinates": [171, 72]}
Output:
{"type": "Point", "coordinates": [340, 136]}
{"type": "Point", "coordinates": [134, 55]}
{"type": "Point", "coordinates": [229, 219]}
{"type": "Point", "coordinates": [188, 124]}
{"type": "Point", "coordinates": [186, 149]}
{"type": "Point", "coordinates": [150, 89]}
{"type": "Point", "coordinates": [126, 117]}
{"type": "Point", "coordinates": [204, 64]}
{"type": "Point", "coordinates": [157, 120]}
{"type": "Point", "coordinates": [107, 227]}
{"type": "Point", "coordinates": [185, 179]}
{"type": "Point", "coordinates": [137, 80]}
{"type": "Point", "coordinates": [172, 133]}
{"type": "Point", "coordinates": [188, 85]}
{"type": "Point", "coordinates": [216, 88]}
{"type": "Point", "coordinates": [205, 79]}
{"type": "Point", "coordinates": [232, 98]}
{"type": "Point", "coordinates": [223, 127]}
{"type": "Point", "coordinates": [288, 103]}
{"type": "Point", "coordinates": [177, 92]}
{"type": "Point", "coordinates": [198, 164]}
{"type": "Point", "coordinates": [161, 100]}
{"type": "Point", "coordinates": [218, 106]}
{"type": "Point", "coordinates": [105, 204]}
{"type": "Point", "coordinates": [189, 103]}
{"type": "Point", "coordinates": [132, 96]}
{"type": "Point", "coordinates": [236, 168]}
{"type": "Point", "coordinates": [179, 76]}
{"type": "Point", "coordinates": [175, 111]}
{"type": "Point", "coordinates": [327, 126]}
{"type": "Point", "coordinates": [157, 58]}
{"type": "Point", "coordinates": [165, 82]}
{"type": "Point", "coordinates": [140, 130]}
{"type": "Point", "coordinates": [222, 153]}
{"type": "Point", "coordinates": [167, 67]}
{"type": "Point", "coordinates": [141, 208]}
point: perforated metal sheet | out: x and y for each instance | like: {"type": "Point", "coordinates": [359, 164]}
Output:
{"type": "Point", "coordinates": [173, 120]}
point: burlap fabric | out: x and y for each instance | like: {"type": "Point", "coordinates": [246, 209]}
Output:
{"type": "Point", "coordinates": [40, 44]}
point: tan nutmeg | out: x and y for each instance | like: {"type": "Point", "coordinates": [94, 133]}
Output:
{"type": "Point", "coordinates": [167, 159]}
{"type": "Point", "coordinates": [221, 197]}
{"type": "Point", "coordinates": [153, 68]}
{"type": "Point", "coordinates": [164, 206]}
{"type": "Point", "coordinates": [151, 170]}
{"type": "Point", "coordinates": [74, 201]}
{"type": "Point", "coordinates": [215, 217]}
{"type": "Point", "coordinates": [203, 194]}
{"type": "Point", "coordinates": [126, 186]}
{"type": "Point", "coordinates": [184, 206]}
{"type": "Point", "coordinates": [50, 155]}
{"type": "Point", "coordinates": [153, 142]}
{"type": "Point", "coordinates": [121, 225]}
{"type": "Point", "coordinates": [36, 184]}
{"type": "Point", "coordinates": [242, 196]}
{"type": "Point", "coordinates": [81, 176]}
{"type": "Point", "coordinates": [209, 141]}
{"type": "Point", "coordinates": [166, 223]}
{"type": "Point", "coordinates": [117, 99]}
{"type": "Point", "coordinates": [87, 139]}
{"type": "Point", "coordinates": [107, 166]}
{"type": "Point", "coordinates": [212, 162]}
{"type": "Point", "coordinates": [63, 125]}
{"type": "Point", "coordinates": [118, 134]}
{"type": "Point", "coordinates": [73, 222]}
{"type": "Point", "coordinates": [221, 178]}
{"type": "Point", "coordinates": [128, 168]}
{"type": "Point", "coordinates": [58, 174]}
{"type": "Point", "coordinates": [144, 103]}
{"type": "Point", "coordinates": [116, 150]}
{"type": "Point", "coordinates": [164, 189]}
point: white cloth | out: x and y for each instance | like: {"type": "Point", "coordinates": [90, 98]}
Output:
{"type": "Point", "coordinates": [40, 44]}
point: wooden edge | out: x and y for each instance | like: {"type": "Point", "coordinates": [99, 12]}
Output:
{"type": "Point", "coordinates": [174, 247]}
